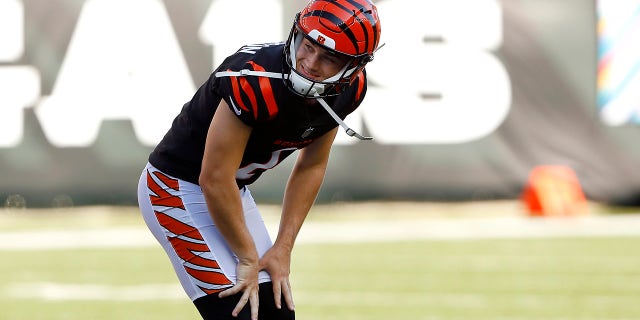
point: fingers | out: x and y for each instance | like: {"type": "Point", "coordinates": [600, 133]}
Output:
{"type": "Point", "coordinates": [247, 284]}
{"type": "Point", "coordinates": [255, 304]}
{"type": "Point", "coordinates": [277, 293]}
{"type": "Point", "coordinates": [288, 297]}
{"type": "Point", "coordinates": [241, 303]}
{"type": "Point", "coordinates": [248, 295]}
{"type": "Point", "coordinates": [229, 292]}
{"type": "Point", "coordinates": [280, 289]}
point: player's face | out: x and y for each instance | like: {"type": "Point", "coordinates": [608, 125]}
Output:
{"type": "Point", "coordinates": [317, 63]}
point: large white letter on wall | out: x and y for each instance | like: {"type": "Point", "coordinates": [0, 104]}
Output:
{"type": "Point", "coordinates": [123, 62]}
{"type": "Point", "coordinates": [19, 85]}
{"type": "Point", "coordinates": [231, 24]}
{"type": "Point", "coordinates": [436, 81]}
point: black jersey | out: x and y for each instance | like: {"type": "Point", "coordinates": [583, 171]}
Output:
{"type": "Point", "coordinates": [280, 119]}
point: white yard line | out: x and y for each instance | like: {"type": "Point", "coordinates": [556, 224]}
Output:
{"type": "Point", "coordinates": [76, 239]}
{"type": "Point", "coordinates": [94, 292]}
{"type": "Point", "coordinates": [470, 228]}
{"type": "Point", "coordinates": [351, 231]}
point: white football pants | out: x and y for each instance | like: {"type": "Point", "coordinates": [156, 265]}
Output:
{"type": "Point", "coordinates": [176, 213]}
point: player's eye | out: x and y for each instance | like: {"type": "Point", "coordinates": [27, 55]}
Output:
{"type": "Point", "coordinates": [308, 47]}
{"type": "Point", "coordinates": [331, 60]}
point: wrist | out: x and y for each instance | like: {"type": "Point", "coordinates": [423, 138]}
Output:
{"type": "Point", "coordinates": [249, 260]}
{"type": "Point", "coordinates": [247, 256]}
{"type": "Point", "coordinates": [283, 245]}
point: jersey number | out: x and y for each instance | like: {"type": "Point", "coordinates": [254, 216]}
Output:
{"type": "Point", "coordinates": [251, 169]}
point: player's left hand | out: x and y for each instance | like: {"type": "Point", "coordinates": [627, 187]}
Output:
{"type": "Point", "coordinates": [277, 262]}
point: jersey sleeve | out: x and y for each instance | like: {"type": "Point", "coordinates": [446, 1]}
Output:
{"type": "Point", "coordinates": [360, 89]}
{"type": "Point", "coordinates": [353, 96]}
{"type": "Point", "coordinates": [251, 98]}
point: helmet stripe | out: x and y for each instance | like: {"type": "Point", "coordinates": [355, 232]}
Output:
{"type": "Point", "coordinates": [372, 22]}
{"type": "Point", "coordinates": [354, 12]}
{"type": "Point", "coordinates": [358, 7]}
{"type": "Point", "coordinates": [337, 21]}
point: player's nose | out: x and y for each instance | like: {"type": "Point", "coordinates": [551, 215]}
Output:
{"type": "Point", "coordinates": [313, 63]}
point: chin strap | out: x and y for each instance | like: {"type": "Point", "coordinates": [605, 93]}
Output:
{"type": "Point", "coordinates": [246, 72]}
{"type": "Point", "coordinates": [350, 132]}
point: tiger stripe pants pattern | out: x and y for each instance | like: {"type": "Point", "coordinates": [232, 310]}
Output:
{"type": "Point", "coordinates": [176, 213]}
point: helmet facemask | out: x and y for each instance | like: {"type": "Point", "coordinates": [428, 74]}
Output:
{"type": "Point", "coordinates": [310, 88]}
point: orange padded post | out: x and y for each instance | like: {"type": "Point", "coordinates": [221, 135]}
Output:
{"type": "Point", "coordinates": [554, 191]}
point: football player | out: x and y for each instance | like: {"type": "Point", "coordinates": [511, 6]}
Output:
{"type": "Point", "coordinates": [259, 106]}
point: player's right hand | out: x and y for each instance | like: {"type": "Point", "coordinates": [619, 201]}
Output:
{"type": "Point", "coordinates": [247, 283]}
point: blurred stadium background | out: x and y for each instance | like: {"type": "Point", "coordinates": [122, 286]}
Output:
{"type": "Point", "coordinates": [466, 100]}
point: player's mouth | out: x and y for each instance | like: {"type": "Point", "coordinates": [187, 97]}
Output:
{"type": "Point", "coordinates": [308, 74]}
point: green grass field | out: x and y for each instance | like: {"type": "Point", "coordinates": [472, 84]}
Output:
{"type": "Point", "coordinates": [551, 278]}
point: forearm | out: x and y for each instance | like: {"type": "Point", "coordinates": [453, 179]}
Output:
{"type": "Point", "coordinates": [225, 206]}
{"type": "Point", "coordinates": [302, 188]}
{"type": "Point", "coordinates": [300, 194]}
{"type": "Point", "coordinates": [226, 141]}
